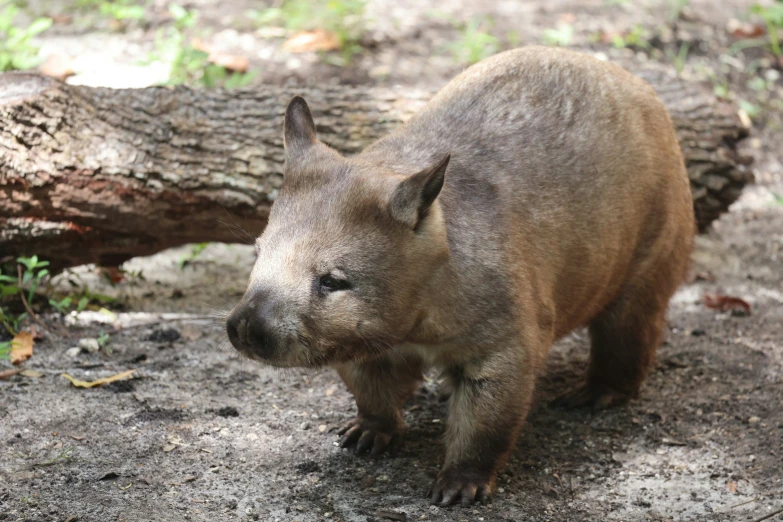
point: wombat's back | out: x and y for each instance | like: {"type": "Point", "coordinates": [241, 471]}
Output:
{"type": "Point", "coordinates": [561, 163]}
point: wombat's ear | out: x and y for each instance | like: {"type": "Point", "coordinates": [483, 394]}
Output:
{"type": "Point", "coordinates": [413, 197]}
{"type": "Point", "coordinates": [299, 128]}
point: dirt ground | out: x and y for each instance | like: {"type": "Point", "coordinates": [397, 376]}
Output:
{"type": "Point", "coordinates": [199, 433]}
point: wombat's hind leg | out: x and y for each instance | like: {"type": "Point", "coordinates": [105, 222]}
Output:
{"type": "Point", "coordinates": [624, 338]}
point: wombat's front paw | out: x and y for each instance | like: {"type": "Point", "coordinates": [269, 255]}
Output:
{"type": "Point", "coordinates": [372, 436]}
{"type": "Point", "coordinates": [463, 484]}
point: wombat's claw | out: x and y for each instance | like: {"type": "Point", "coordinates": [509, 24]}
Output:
{"type": "Point", "coordinates": [588, 396]}
{"type": "Point", "coordinates": [367, 439]}
{"type": "Point", "coordinates": [451, 486]}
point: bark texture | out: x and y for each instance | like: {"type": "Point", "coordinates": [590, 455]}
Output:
{"type": "Point", "coordinates": [102, 175]}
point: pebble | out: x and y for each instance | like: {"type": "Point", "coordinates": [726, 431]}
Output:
{"type": "Point", "coordinates": [304, 426]}
{"type": "Point", "coordinates": [89, 345]}
{"type": "Point", "coordinates": [753, 420]}
{"type": "Point", "coordinates": [73, 352]}
{"type": "Point", "coordinates": [322, 428]}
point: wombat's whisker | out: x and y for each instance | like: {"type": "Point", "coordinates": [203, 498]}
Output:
{"type": "Point", "coordinates": [239, 233]}
{"type": "Point", "coordinates": [236, 226]}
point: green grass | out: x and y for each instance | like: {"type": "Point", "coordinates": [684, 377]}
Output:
{"type": "Point", "coordinates": [191, 66]}
{"type": "Point", "coordinates": [560, 36]}
{"type": "Point", "coordinates": [5, 350]}
{"type": "Point", "coordinates": [772, 15]}
{"type": "Point", "coordinates": [773, 18]}
{"type": "Point", "coordinates": [636, 38]}
{"type": "Point", "coordinates": [195, 252]}
{"type": "Point", "coordinates": [475, 42]}
{"type": "Point", "coordinates": [17, 52]}
{"type": "Point", "coordinates": [343, 18]}
{"type": "Point", "coordinates": [119, 10]}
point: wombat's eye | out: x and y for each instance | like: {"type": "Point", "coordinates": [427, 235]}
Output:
{"type": "Point", "coordinates": [332, 284]}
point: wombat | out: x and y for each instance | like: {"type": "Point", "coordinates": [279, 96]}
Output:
{"type": "Point", "coordinates": [539, 191]}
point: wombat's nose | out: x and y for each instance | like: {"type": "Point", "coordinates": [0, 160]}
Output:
{"type": "Point", "coordinates": [249, 330]}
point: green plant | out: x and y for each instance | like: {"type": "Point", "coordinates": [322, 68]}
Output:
{"type": "Point", "coordinates": [116, 9]}
{"type": "Point", "coordinates": [104, 339]}
{"type": "Point", "coordinates": [16, 48]}
{"type": "Point", "coordinates": [18, 285]}
{"type": "Point", "coordinates": [32, 275]}
{"type": "Point", "coordinates": [188, 64]}
{"type": "Point", "coordinates": [474, 43]}
{"type": "Point", "coordinates": [11, 321]}
{"type": "Point", "coordinates": [773, 17]}
{"type": "Point", "coordinates": [676, 7]}
{"type": "Point", "coordinates": [680, 57]}
{"type": "Point", "coordinates": [5, 350]}
{"type": "Point", "coordinates": [343, 18]}
{"type": "Point", "coordinates": [778, 198]}
{"type": "Point", "coordinates": [25, 285]}
{"type": "Point", "coordinates": [64, 305]}
{"type": "Point", "coordinates": [195, 251]}
{"type": "Point", "coordinates": [721, 90]}
{"type": "Point", "coordinates": [750, 108]}
{"type": "Point", "coordinates": [636, 38]}
{"type": "Point", "coordinates": [560, 36]}
{"type": "Point", "coordinates": [122, 10]}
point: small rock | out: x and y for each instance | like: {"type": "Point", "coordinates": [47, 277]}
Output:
{"type": "Point", "coordinates": [304, 426]}
{"type": "Point", "coordinates": [322, 428]}
{"type": "Point", "coordinates": [227, 411]}
{"type": "Point", "coordinates": [163, 335]}
{"type": "Point", "coordinates": [753, 420]}
{"type": "Point", "coordinates": [191, 478]}
{"type": "Point", "coordinates": [73, 352]}
{"type": "Point", "coordinates": [89, 345]}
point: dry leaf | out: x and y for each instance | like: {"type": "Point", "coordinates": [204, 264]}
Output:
{"type": "Point", "coordinates": [229, 62]}
{"type": "Point", "coordinates": [61, 18]}
{"type": "Point", "coordinates": [112, 273]}
{"type": "Point", "coordinates": [99, 382]}
{"type": "Point", "coordinates": [731, 486]}
{"type": "Point", "coordinates": [58, 66]}
{"type": "Point", "coordinates": [309, 41]}
{"type": "Point", "coordinates": [10, 373]}
{"type": "Point", "coordinates": [21, 347]}
{"type": "Point", "coordinates": [739, 29]}
{"type": "Point", "coordinates": [392, 515]}
{"type": "Point", "coordinates": [726, 303]}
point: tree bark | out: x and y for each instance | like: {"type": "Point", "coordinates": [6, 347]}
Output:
{"type": "Point", "coordinates": [93, 175]}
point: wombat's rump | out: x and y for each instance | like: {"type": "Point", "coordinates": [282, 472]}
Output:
{"type": "Point", "coordinates": [539, 191]}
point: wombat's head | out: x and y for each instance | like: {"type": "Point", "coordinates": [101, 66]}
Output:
{"type": "Point", "coordinates": [344, 261]}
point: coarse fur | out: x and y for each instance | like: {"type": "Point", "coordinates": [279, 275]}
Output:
{"type": "Point", "coordinates": [539, 191]}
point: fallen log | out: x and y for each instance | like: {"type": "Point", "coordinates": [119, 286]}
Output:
{"type": "Point", "coordinates": [95, 175]}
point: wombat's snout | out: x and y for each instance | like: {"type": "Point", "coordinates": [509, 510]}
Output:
{"type": "Point", "coordinates": [250, 331]}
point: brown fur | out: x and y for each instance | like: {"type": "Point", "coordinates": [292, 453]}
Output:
{"type": "Point", "coordinates": [539, 191]}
